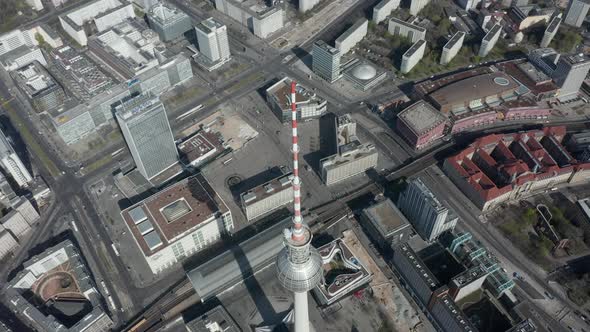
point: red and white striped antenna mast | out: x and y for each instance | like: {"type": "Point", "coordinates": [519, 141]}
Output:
{"type": "Point", "coordinates": [297, 219]}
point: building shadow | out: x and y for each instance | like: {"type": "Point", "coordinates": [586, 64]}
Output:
{"type": "Point", "coordinates": [263, 305]}
{"type": "Point", "coordinates": [18, 144]}
{"type": "Point", "coordinates": [254, 181]}
{"type": "Point", "coordinates": [325, 144]}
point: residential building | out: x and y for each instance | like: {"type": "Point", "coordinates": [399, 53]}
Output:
{"type": "Point", "coordinates": [499, 168]}
{"type": "Point", "coordinates": [417, 5]}
{"type": "Point", "coordinates": [12, 164]}
{"type": "Point", "coordinates": [43, 91]}
{"type": "Point", "coordinates": [421, 124]}
{"type": "Point", "coordinates": [551, 31]}
{"type": "Point", "coordinates": [384, 9]}
{"type": "Point", "coordinates": [168, 22]}
{"type": "Point", "coordinates": [308, 104]}
{"type": "Point", "coordinates": [127, 47]}
{"type": "Point", "coordinates": [100, 14]}
{"type": "Point", "coordinates": [576, 12]}
{"type": "Point", "coordinates": [352, 36]}
{"type": "Point", "coordinates": [262, 18]}
{"type": "Point", "coordinates": [268, 197]}
{"type": "Point", "coordinates": [452, 47]}
{"type": "Point", "coordinates": [148, 135]}
{"type": "Point", "coordinates": [326, 61]}
{"type": "Point", "coordinates": [22, 56]}
{"type": "Point", "coordinates": [412, 56]}
{"type": "Point", "coordinates": [7, 242]}
{"type": "Point", "coordinates": [385, 224]}
{"type": "Point", "coordinates": [410, 31]}
{"type": "Point", "coordinates": [489, 40]}
{"type": "Point", "coordinates": [213, 43]}
{"type": "Point", "coordinates": [305, 5]}
{"type": "Point", "coordinates": [178, 221]}
{"type": "Point", "coordinates": [429, 216]}
{"type": "Point", "coordinates": [352, 157]}
{"type": "Point", "coordinates": [569, 75]}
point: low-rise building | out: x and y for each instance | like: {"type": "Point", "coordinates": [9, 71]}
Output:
{"type": "Point", "coordinates": [309, 105]}
{"type": "Point", "coordinates": [22, 56]}
{"type": "Point", "coordinates": [416, 277]}
{"type": "Point", "coordinates": [260, 18]}
{"type": "Point", "coordinates": [177, 222]}
{"type": "Point", "coordinates": [352, 158]}
{"type": "Point", "coordinates": [40, 87]}
{"type": "Point", "coordinates": [452, 47]}
{"type": "Point", "coordinates": [410, 31]}
{"type": "Point", "coordinates": [14, 222]}
{"type": "Point", "coordinates": [268, 197]}
{"type": "Point", "coordinates": [475, 119]}
{"type": "Point", "coordinates": [383, 9]}
{"type": "Point", "coordinates": [386, 224]}
{"type": "Point", "coordinates": [214, 320]}
{"type": "Point", "coordinates": [168, 22]}
{"type": "Point", "coordinates": [100, 14]}
{"type": "Point", "coordinates": [200, 148]}
{"type": "Point", "coordinates": [412, 56]}
{"type": "Point", "coordinates": [127, 47]}
{"type": "Point", "coordinates": [363, 74]}
{"type": "Point", "coordinates": [352, 36]}
{"type": "Point", "coordinates": [467, 282]}
{"type": "Point", "coordinates": [498, 168]}
{"type": "Point", "coordinates": [421, 124]}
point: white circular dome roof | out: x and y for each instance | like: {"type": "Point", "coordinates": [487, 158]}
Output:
{"type": "Point", "coordinates": [364, 72]}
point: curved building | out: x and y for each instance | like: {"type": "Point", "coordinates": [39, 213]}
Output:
{"type": "Point", "coordinates": [475, 92]}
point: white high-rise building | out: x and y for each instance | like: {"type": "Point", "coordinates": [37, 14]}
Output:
{"type": "Point", "coordinates": [569, 75]}
{"type": "Point", "coordinates": [550, 32]}
{"type": "Point", "coordinates": [417, 5]}
{"type": "Point", "coordinates": [12, 164]}
{"type": "Point", "coordinates": [428, 215]}
{"type": "Point", "coordinates": [305, 5]}
{"type": "Point", "coordinates": [212, 39]}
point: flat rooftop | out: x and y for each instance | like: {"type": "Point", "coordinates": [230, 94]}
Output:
{"type": "Point", "coordinates": [34, 79]}
{"type": "Point", "coordinates": [554, 24]}
{"type": "Point", "coordinates": [386, 216]}
{"type": "Point", "coordinates": [214, 320]}
{"type": "Point", "coordinates": [165, 216]}
{"type": "Point", "coordinates": [270, 188]}
{"type": "Point", "coordinates": [576, 59]}
{"type": "Point", "coordinates": [281, 91]}
{"type": "Point", "coordinates": [414, 48]}
{"type": "Point", "coordinates": [165, 13]}
{"type": "Point", "coordinates": [407, 25]}
{"type": "Point", "coordinates": [492, 33]}
{"type": "Point", "coordinates": [421, 117]}
{"type": "Point", "coordinates": [323, 45]}
{"type": "Point", "coordinates": [200, 145]}
{"type": "Point", "coordinates": [456, 37]}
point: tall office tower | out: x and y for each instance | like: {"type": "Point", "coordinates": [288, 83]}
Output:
{"type": "Point", "coordinates": [550, 31]}
{"type": "Point", "coordinates": [147, 132]}
{"type": "Point", "coordinates": [576, 12]}
{"type": "Point", "coordinates": [570, 74]}
{"type": "Point", "coordinates": [417, 5]}
{"type": "Point", "coordinates": [489, 40]}
{"type": "Point", "coordinates": [468, 4]}
{"type": "Point", "coordinates": [428, 215]}
{"type": "Point", "coordinates": [212, 38]}
{"type": "Point", "coordinates": [299, 265]}
{"type": "Point", "coordinates": [169, 22]}
{"type": "Point", "coordinates": [305, 5]}
{"type": "Point", "coordinates": [326, 61]}
{"type": "Point", "coordinates": [12, 164]}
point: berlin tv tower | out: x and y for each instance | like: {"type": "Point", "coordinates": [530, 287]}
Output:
{"type": "Point", "coordinates": [299, 265]}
